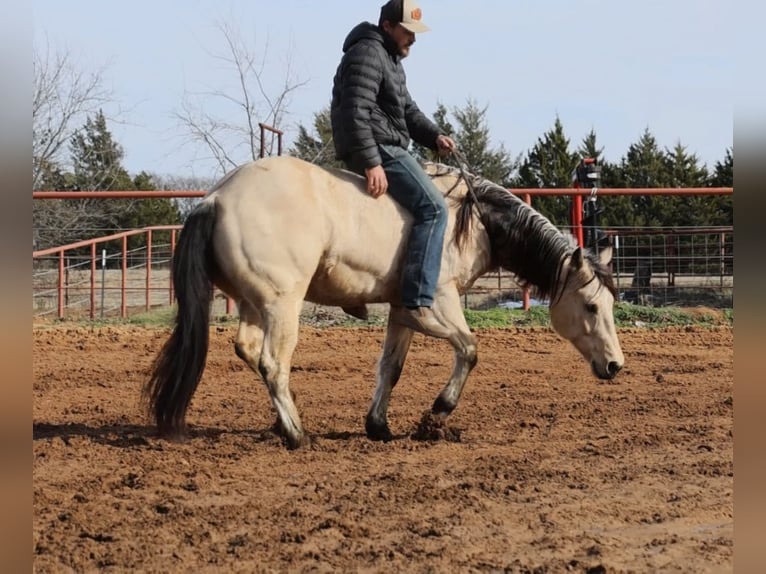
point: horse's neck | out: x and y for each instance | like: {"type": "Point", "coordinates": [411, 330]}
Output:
{"type": "Point", "coordinates": [526, 243]}
{"type": "Point", "coordinates": [445, 178]}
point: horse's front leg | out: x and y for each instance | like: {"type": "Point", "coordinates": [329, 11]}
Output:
{"type": "Point", "coordinates": [449, 312]}
{"type": "Point", "coordinates": [395, 348]}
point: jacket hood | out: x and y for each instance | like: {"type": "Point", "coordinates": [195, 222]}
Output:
{"type": "Point", "coordinates": [367, 31]}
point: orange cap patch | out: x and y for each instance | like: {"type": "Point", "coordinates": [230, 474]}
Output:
{"type": "Point", "coordinates": [416, 14]}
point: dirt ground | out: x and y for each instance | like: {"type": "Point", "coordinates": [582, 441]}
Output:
{"type": "Point", "coordinates": [555, 471]}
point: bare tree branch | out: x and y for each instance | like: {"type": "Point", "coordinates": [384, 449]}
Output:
{"type": "Point", "coordinates": [62, 97]}
{"type": "Point", "coordinates": [236, 138]}
{"type": "Point", "coordinates": [175, 182]}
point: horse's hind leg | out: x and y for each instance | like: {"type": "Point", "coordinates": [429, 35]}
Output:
{"type": "Point", "coordinates": [395, 348]}
{"type": "Point", "coordinates": [249, 339]}
{"type": "Point", "coordinates": [280, 337]}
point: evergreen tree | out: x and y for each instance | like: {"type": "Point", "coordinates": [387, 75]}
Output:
{"type": "Point", "coordinates": [685, 171]}
{"type": "Point", "coordinates": [148, 212]}
{"type": "Point", "coordinates": [51, 177]}
{"type": "Point", "coordinates": [473, 141]}
{"type": "Point", "coordinates": [317, 146]}
{"type": "Point", "coordinates": [97, 166]}
{"type": "Point", "coordinates": [440, 118]}
{"type": "Point", "coordinates": [549, 164]}
{"type": "Point", "coordinates": [723, 176]}
{"type": "Point", "coordinates": [97, 158]}
{"type": "Point", "coordinates": [646, 165]}
{"type": "Point", "coordinates": [723, 173]}
{"type": "Point", "coordinates": [589, 148]}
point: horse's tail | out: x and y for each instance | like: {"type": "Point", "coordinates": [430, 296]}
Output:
{"type": "Point", "coordinates": [177, 370]}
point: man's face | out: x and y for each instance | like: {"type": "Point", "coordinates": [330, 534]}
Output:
{"type": "Point", "coordinates": [402, 37]}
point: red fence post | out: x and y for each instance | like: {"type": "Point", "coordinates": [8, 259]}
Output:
{"type": "Point", "coordinates": [577, 220]}
{"type": "Point", "coordinates": [124, 301]}
{"type": "Point", "coordinates": [148, 269]}
{"type": "Point", "coordinates": [170, 274]}
{"type": "Point", "coordinates": [264, 127]}
{"type": "Point", "coordinates": [722, 267]}
{"type": "Point", "coordinates": [93, 280]}
{"type": "Point", "coordinates": [60, 305]}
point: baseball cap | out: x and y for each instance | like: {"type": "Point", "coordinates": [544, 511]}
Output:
{"type": "Point", "coordinates": [404, 12]}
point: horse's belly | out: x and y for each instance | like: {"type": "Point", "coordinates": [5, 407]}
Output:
{"type": "Point", "coordinates": [341, 283]}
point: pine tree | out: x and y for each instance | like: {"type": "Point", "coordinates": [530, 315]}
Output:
{"type": "Point", "coordinates": [589, 148]}
{"type": "Point", "coordinates": [550, 164]}
{"type": "Point", "coordinates": [723, 173]}
{"type": "Point", "coordinates": [148, 212]}
{"type": "Point", "coordinates": [97, 158]}
{"type": "Point", "coordinates": [440, 118]}
{"type": "Point", "coordinates": [646, 165]}
{"type": "Point", "coordinates": [317, 146]}
{"type": "Point", "coordinates": [473, 141]}
{"type": "Point", "coordinates": [723, 176]}
{"type": "Point", "coordinates": [685, 171]}
{"type": "Point", "coordinates": [97, 166]}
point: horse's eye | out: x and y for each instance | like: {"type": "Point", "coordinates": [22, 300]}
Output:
{"type": "Point", "coordinates": [591, 308]}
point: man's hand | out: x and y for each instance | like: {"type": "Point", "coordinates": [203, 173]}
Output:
{"type": "Point", "coordinates": [377, 182]}
{"type": "Point", "coordinates": [445, 144]}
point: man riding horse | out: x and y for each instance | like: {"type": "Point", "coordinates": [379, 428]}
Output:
{"type": "Point", "coordinates": [373, 119]}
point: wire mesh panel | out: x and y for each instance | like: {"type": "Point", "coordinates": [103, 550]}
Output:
{"type": "Point", "coordinates": [677, 266]}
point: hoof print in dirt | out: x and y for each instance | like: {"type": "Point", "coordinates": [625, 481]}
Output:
{"type": "Point", "coordinates": [433, 427]}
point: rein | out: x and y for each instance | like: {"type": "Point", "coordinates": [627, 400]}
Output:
{"type": "Point", "coordinates": [463, 166]}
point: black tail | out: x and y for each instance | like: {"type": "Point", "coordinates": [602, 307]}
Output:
{"type": "Point", "coordinates": [178, 368]}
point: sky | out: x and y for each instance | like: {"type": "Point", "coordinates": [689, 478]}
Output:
{"type": "Point", "coordinates": [616, 67]}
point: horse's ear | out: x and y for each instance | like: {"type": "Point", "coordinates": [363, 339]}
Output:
{"type": "Point", "coordinates": [576, 262]}
{"type": "Point", "coordinates": [605, 255]}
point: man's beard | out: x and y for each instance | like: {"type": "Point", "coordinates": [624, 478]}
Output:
{"type": "Point", "coordinates": [404, 51]}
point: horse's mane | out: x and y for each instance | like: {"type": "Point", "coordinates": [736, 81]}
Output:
{"type": "Point", "coordinates": [523, 240]}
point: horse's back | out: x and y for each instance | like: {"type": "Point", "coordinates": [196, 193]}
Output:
{"type": "Point", "coordinates": [294, 225]}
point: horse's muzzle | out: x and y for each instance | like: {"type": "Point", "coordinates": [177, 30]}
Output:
{"type": "Point", "coordinates": [612, 368]}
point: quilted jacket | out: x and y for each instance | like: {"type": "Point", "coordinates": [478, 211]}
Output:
{"type": "Point", "coordinates": [370, 101]}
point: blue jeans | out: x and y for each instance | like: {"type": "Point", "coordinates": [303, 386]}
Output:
{"type": "Point", "coordinates": [413, 189]}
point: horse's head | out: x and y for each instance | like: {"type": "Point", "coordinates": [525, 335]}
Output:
{"type": "Point", "coordinates": [583, 313]}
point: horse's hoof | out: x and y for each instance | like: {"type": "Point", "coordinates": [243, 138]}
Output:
{"type": "Point", "coordinates": [378, 431]}
{"type": "Point", "coordinates": [294, 443]}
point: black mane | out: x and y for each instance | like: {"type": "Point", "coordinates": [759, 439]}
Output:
{"type": "Point", "coordinates": [523, 241]}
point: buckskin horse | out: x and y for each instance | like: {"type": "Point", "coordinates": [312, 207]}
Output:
{"type": "Point", "coordinates": [278, 231]}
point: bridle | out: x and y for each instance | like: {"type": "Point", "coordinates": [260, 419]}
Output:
{"type": "Point", "coordinates": [566, 282]}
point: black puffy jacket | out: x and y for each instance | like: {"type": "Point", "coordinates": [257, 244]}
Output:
{"type": "Point", "coordinates": [370, 101]}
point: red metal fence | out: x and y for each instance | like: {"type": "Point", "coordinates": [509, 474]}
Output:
{"type": "Point", "coordinates": [66, 278]}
